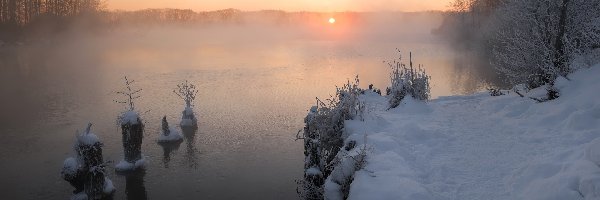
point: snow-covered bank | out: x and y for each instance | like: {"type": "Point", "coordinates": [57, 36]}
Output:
{"type": "Point", "coordinates": [482, 147]}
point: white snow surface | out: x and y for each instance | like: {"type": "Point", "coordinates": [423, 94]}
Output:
{"type": "Point", "coordinates": [127, 166]}
{"type": "Point", "coordinates": [130, 117]}
{"type": "Point", "coordinates": [482, 147]}
{"type": "Point", "coordinates": [313, 171]}
{"type": "Point", "coordinates": [70, 166]}
{"type": "Point", "coordinates": [174, 135]}
{"type": "Point", "coordinates": [87, 138]}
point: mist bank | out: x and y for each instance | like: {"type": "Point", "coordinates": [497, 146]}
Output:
{"type": "Point", "coordinates": [353, 45]}
{"type": "Point", "coordinates": [383, 25]}
{"type": "Point", "coordinates": [91, 40]}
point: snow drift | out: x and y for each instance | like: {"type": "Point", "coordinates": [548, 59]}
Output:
{"type": "Point", "coordinates": [482, 147]}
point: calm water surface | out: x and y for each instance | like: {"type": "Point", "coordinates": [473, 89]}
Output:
{"type": "Point", "coordinates": [251, 102]}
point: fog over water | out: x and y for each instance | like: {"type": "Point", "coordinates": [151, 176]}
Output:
{"type": "Point", "coordinates": [256, 82]}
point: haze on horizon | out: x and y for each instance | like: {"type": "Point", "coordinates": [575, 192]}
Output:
{"type": "Point", "coordinates": [296, 5]}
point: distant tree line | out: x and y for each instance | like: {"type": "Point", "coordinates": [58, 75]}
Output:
{"type": "Point", "coordinates": [225, 16]}
{"type": "Point", "coordinates": [23, 12]}
{"type": "Point", "coordinates": [170, 16]}
{"type": "Point", "coordinates": [21, 19]}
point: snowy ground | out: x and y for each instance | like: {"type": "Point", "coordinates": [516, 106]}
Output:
{"type": "Point", "coordinates": [483, 147]}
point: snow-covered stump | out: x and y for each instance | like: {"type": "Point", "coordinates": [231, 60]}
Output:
{"type": "Point", "coordinates": [73, 173]}
{"type": "Point", "coordinates": [188, 118]}
{"type": "Point", "coordinates": [92, 158]}
{"type": "Point", "coordinates": [133, 133]}
{"type": "Point", "coordinates": [86, 171]}
{"type": "Point", "coordinates": [187, 92]}
{"type": "Point", "coordinates": [169, 139]}
{"type": "Point", "coordinates": [168, 134]}
{"type": "Point", "coordinates": [132, 130]}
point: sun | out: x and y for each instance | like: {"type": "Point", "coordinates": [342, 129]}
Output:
{"type": "Point", "coordinates": [331, 20]}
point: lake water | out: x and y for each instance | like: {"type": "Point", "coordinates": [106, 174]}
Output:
{"type": "Point", "coordinates": [253, 96]}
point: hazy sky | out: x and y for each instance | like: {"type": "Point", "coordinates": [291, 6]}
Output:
{"type": "Point", "coordinates": [288, 5]}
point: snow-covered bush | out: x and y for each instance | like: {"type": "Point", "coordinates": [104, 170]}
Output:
{"type": "Point", "coordinates": [132, 130]}
{"type": "Point", "coordinates": [495, 92]}
{"type": "Point", "coordinates": [187, 92]}
{"type": "Point", "coordinates": [407, 81]}
{"type": "Point", "coordinates": [85, 172]}
{"type": "Point", "coordinates": [168, 134]}
{"type": "Point", "coordinates": [322, 136]}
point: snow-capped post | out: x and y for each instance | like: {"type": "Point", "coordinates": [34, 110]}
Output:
{"type": "Point", "coordinates": [132, 131]}
{"type": "Point", "coordinates": [187, 92]}
{"type": "Point", "coordinates": [168, 134]}
{"type": "Point", "coordinates": [86, 171]}
{"type": "Point", "coordinates": [170, 139]}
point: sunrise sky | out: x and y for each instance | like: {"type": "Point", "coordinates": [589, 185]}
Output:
{"type": "Point", "coordinates": [287, 5]}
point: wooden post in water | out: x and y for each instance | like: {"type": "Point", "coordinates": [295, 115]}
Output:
{"type": "Point", "coordinates": [133, 134]}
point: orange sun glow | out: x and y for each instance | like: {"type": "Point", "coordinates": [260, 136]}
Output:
{"type": "Point", "coordinates": [331, 20]}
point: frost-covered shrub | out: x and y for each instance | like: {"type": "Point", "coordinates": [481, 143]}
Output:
{"type": "Point", "coordinates": [495, 92]}
{"type": "Point", "coordinates": [373, 89]}
{"type": "Point", "coordinates": [536, 41]}
{"type": "Point", "coordinates": [407, 81]}
{"type": "Point", "coordinates": [322, 136]}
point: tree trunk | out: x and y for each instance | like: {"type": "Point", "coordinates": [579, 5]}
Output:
{"type": "Point", "coordinates": [560, 57]}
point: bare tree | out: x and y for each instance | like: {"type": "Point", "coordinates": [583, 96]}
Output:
{"type": "Point", "coordinates": [129, 94]}
{"type": "Point", "coordinates": [187, 92]}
